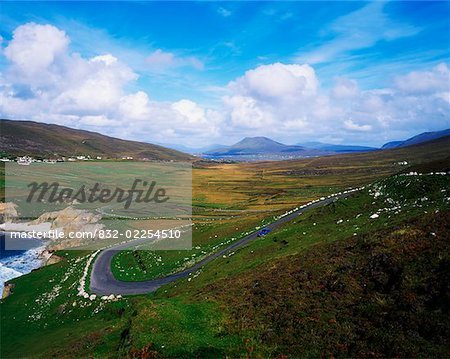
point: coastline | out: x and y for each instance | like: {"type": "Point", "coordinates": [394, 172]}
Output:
{"type": "Point", "coordinates": [16, 263]}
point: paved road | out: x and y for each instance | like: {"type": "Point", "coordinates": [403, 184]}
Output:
{"type": "Point", "coordinates": [103, 282]}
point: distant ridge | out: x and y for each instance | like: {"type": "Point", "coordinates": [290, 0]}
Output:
{"type": "Point", "coordinates": [35, 138]}
{"type": "Point", "coordinates": [423, 137]}
{"type": "Point", "coordinates": [263, 146]}
{"type": "Point", "coordinates": [337, 148]}
{"type": "Point", "coordinates": [192, 150]}
{"type": "Point", "coordinates": [257, 148]}
{"type": "Point", "coordinates": [254, 146]}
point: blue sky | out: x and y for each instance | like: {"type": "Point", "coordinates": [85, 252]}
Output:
{"type": "Point", "coordinates": [218, 57]}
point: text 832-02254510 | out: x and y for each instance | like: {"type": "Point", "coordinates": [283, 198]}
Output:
{"type": "Point", "coordinates": [140, 234]}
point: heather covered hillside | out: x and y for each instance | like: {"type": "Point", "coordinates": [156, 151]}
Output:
{"type": "Point", "coordinates": [39, 139]}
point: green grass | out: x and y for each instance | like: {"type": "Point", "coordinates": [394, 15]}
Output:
{"type": "Point", "coordinates": [317, 226]}
{"type": "Point", "coordinates": [208, 237]}
{"type": "Point", "coordinates": [182, 328]}
{"type": "Point", "coordinates": [380, 294]}
{"type": "Point", "coordinates": [34, 322]}
{"type": "Point", "coordinates": [42, 306]}
{"type": "Point", "coordinates": [321, 225]}
{"type": "Point", "coordinates": [199, 316]}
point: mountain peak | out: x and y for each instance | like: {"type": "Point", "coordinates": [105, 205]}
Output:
{"type": "Point", "coordinates": [257, 145]}
{"type": "Point", "coordinates": [259, 140]}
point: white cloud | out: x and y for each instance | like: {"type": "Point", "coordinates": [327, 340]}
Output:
{"type": "Point", "coordinates": [423, 82]}
{"type": "Point", "coordinates": [246, 112]}
{"type": "Point", "coordinates": [195, 63]}
{"type": "Point", "coordinates": [287, 101]}
{"type": "Point", "coordinates": [45, 82]}
{"type": "Point", "coordinates": [352, 126]}
{"type": "Point", "coordinates": [224, 12]}
{"type": "Point", "coordinates": [98, 121]}
{"type": "Point", "coordinates": [135, 106]}
{"type": "Point", "coordinates": [97, 87]}
{"type": "Point", "coordinates": [345, 89]}
{"type": "Point", "coordinates": [277, 81]}
{"type": "Point", "coordinates": [52, 84]}
{"type": "Point", "coordinates": [296, 125]}
{"type": "Point", "coordinates": [34, 47]}
{"type": "Point", "coordinates": [357, 30]}
{"type": "Point", "coordinates": [190, 110]}
{"type": "Point", "coordinates": [160, 60]}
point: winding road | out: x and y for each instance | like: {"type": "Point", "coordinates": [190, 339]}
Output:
{"type": "Point", "coordinates": [103, 282]}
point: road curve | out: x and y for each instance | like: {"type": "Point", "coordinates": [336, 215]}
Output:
{"type": "Point", "coordinates": [103, 282]}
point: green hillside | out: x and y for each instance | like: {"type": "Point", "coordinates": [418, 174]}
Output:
{"type": "Point", "coordinates": [33, 138]}
{"type": "Point", "coordinates": [338, 281]}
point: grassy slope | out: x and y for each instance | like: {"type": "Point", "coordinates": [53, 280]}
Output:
{"type": "Point", "coordinates": [383, 294]}
{"type": "Point", "coordinates": [194, 318]}
{"type": "Point", "coordinates": [235, 305]}
{"type": "Point", "coordinates": [319, 290]}
{"type": "Point", "coordinates": [207, 236]}
{"type": "Point", "coordinates": [32, 138]}
{"type": "Point", "coordinates": [236, 190]}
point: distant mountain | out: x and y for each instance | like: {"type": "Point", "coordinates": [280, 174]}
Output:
{"type": "Point", "coordinates": [392, 144]}
{"type": "Point", "coordinates": [336, 148]}
{"type": "Point", "coordinates": [193, 150]}
{"type": "Point", "coordinates": [423, 137]}
{"type": "Point", "coordinates": [255, 146]}
{"type": "Point", "coordinates": [41, 139]}
{"type": "Point", "coordinates": [261, 146]}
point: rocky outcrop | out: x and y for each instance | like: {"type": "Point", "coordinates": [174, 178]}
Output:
{"type": "Point", "coordinates": [8, 212]}
{"type": "Point", "coordinates": [70, 220]}
{"type": "Point", "coordinates": [53, 259]}
{"type": "Point", "coordinates": [67, 228]}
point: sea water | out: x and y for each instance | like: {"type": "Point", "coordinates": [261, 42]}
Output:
{"type": "Point", "coordinates": [20, 260]}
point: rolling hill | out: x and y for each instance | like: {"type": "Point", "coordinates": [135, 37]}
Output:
{"type": "Point", "coordinates": [423, 137]}
{"type": "Point", "coordinates": [40, 139]}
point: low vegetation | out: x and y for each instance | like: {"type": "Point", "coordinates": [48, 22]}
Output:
{"type": "Point", "coordinates": [380, 294]}
{"type": "Point", "coordinates": [364, 276]}
{"type": "Point", "coordinates": [39, 139]}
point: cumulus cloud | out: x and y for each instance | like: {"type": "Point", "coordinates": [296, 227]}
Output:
{"type": "Point", "coordinates": [45, 81]}
{"type": "Point", "coordinates": [345, 89]}
{"type": "Point", "coordinates": [99, 121]}
{"type": "Point", "coordinates": [135, 106]}
{"type": "Point", "coordinates": [287, 100]}
{"type": "Point", "coordinates": [35, 47]}
{"type": "Point", "coordinates": [98, 84]}
{"type": "Point", "coordinates": [352, 126]}
{"type": "Point", "coordinates": [245, 111]}
{"type": "Point", "coordinates": [435, 80]}
{"type": "Point", "coordinates": [190, 110]}
{"type": "Point", "coordinates": [277, 81]}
